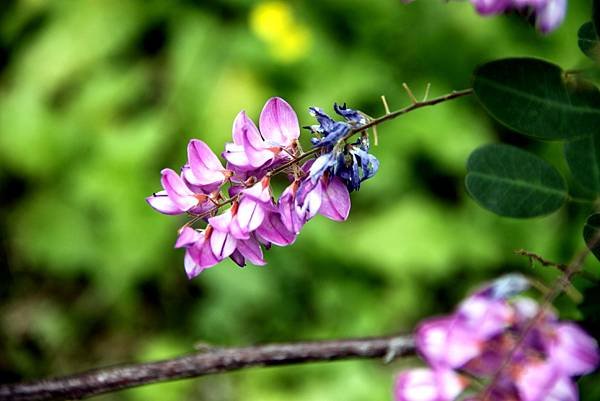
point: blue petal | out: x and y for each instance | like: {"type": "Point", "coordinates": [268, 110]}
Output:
{"type": "Point", "coordinates": [337, 132]}
{"type": "Point", "coordinates": [371, 170]}
{"type": "Point", "coordinates": [350, 115]}
{"type": "Point", "coordinates": [354, 183]}
{"type": "Point", "coordinates": [324, 120]}
{"type": "Point", "coordinates": [321, 165]}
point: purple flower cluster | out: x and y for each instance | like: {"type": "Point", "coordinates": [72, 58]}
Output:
{"type": "Point", "coordinates": [253, 219]}
{"type": "Point", "coordinates": [518, 350]}
{"type": "Point", "coordinates": [548, 14]}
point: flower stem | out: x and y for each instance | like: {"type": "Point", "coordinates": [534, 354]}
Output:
{"type": "Point", "coordinates": [376, 121]}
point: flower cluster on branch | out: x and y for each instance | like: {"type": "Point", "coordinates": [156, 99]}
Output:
{"type": "Point", "coordinates": [499, 347]}
{"type": "Point", "coordinates": [547, 14]}
{"type": "Point", "coordinates": [247, 218]}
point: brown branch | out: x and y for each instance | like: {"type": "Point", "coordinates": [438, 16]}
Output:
{"type": "Point", "coordinates": [376, 121]}
{"type": "Point", "coordinates": [532, 256]}
{"type": "Point", "coordinates": [216, 360]}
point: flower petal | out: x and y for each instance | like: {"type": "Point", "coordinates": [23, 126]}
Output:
{"type": "Point", "coordinates": [543, 381]}
{"type": "Point", "coordinates": [444, 343]}
{"type": "Point", "coordinates": [236, 156]}
{"type": "Point", "coordinates": [278, 122]}
{"type": "Point", "coordinates": [335, 202]}
{"type": "Point", "coordinates": [288, 211]}
{"type": "Point", "coordinates": [323, 162]}
{"type": "Point", "coordinates": [187, 237]}
{"type": "Point", "coordinates": [161, 202]}
{"type": "Point", "coordinates": [274, 231]}
{"type": "Point", "coordinates": [250, 215]}
{"type": "Point", "coordinates": [178, 192]}
{"type": "Point", "coordinates": [251, 250]}
{"type": "Point", "coordinates": [574, 350]}
{"type": "Point", "coordinates": [205, 166]}
{"type": "Point", "coordinates": [222, 244]}
{"type": "Point", "coordinates": [550, 16]}
{"type": "Point", "coordinates": [199, 257]}
{"type": "Point", "coordinates": [428, 385]}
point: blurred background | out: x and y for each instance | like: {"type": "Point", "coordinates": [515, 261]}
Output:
{"type": "Point", "coordinates": [97, 96]}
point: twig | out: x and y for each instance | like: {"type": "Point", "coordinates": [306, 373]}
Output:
{"type": "Point", "coordinates": [379, 120]}
{"type": "Point", "coordinates": [548, 263]}
{"type": "Point", "coordinates": [218, 360]}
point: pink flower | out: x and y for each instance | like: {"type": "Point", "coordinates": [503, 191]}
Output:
{"type": "Point", "coordinates": [544, 382]}
{"type": "Point", "coordinates": [573, 349]}
{"type": "Point", "coordinates": [444, 342]}
{"type": "Point", "coordinates": [252, 149]}
{"type": "Point", "coordinates": [428, 385]}
{"type": "Point", "coordinates": [204, 167]}
{"type": "Point", "coordinates": [273, 231]}
{"type": "Point", "coordinates": [177, 197]}
{"type": "Point", "coordinates": [198, 255]}
{"type": "Point", "coordinates": [521, 354]}
{"type": "Point", "coordinates": [254, 203]}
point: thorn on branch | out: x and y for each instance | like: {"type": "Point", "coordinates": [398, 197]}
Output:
{"type": "Point", "coordinates": [385, 105]}
{"type": "Point", "coordinates": [409, 92]}
{"type": "Point", "coordinates": [534, 257]}
{"type": "Point", "coordinates": [427, 91]}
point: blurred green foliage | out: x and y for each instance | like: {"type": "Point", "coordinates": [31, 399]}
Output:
{"type": "Point", "coordinates": [97, 96]}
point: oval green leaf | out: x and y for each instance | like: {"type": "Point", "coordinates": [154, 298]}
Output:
{"type": "Point", "coordinates": [596, 15]}
{"type": "Point", "coordinates": [534, 97]}
{"type": "Point", "coordinates": [583, 157]}
{"type": "Point", "coordinates": [591, 234]}
{"type": "Point", "coordinates": [588, 41]}
{"type": "Point", "coordinates": [514, 183]}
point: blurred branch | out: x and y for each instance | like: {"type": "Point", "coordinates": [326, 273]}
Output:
{"type": "Point", "coordinates": [215, 360]}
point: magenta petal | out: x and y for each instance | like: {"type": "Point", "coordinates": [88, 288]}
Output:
{"type": "Point", "coordinates": [542, 381]}
{"type": "Point", "coordinates": [335, 202]}
{"type": "Point", "coordinates": [443, 342]}
{"type": "Point", "coordinates": [250, 215]}
{"type": "Point", "coordinates": [160, 202]}
{"type": "Point", "coordinates": [246, 134]}
{"type": "Point", "coordinates": [238, 258]}
{"type": "Point", "coordinates": [251, 250]}
{"type": "Point", "coordinates": [278, 122]}
{"type": "Point", "coordinates": [199, 257]}
{"type": "Point", "coordinates": [311, 203]}
{"type": "Point", "coordinates": [192, 268]}
{"type": "Point", "coordinates": [574, 350]}
{"type": "Point", "coordinates": [241, 120]}
{"type": "Point", "coordinates": [236, 156]}
{"type": "Point", "coordinates": [257, 154]}
{"type": "Point", "coordinates": [551, 15]}
{"type": "Point", "coordinates": [178, 192]}
{"type": "Point", "coordinates": [237, 231]}
{"type": "Point", "coordinates": [187, 237]}
{"type": "Point", "coordinates": [222, 244]}
{"type": "Point", "coordinates": [260, 192]}
{"type": "Point", "coordinates": [485, 317]}
{"type": "Point", "coordinates": [205, 166]}
{"type": "Point", "coordinates": [428, 385]}
{"type": "Point", "coordinates": [222, 221]}
{"type": "Point", "coordinates": [274, 231]}
{"type": "Point", "coordinates": [287, 210]}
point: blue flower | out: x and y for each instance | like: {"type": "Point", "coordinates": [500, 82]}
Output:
{"type": "Point", "coordinates": [350, 162]}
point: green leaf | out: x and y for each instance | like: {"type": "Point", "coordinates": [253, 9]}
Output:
{"type": "Point", "coordinates": [587, 39]}
{"type": "Point", "coordinates": [536, 98]}
{"type": "Point", "coordinates": [591, 234]}
{"type": "Point", "coordinates": [596, 15]}
{"type": "Point", "coordinates": [514, 183]}
{"type": "Point", "coordinates": [583, 158]}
